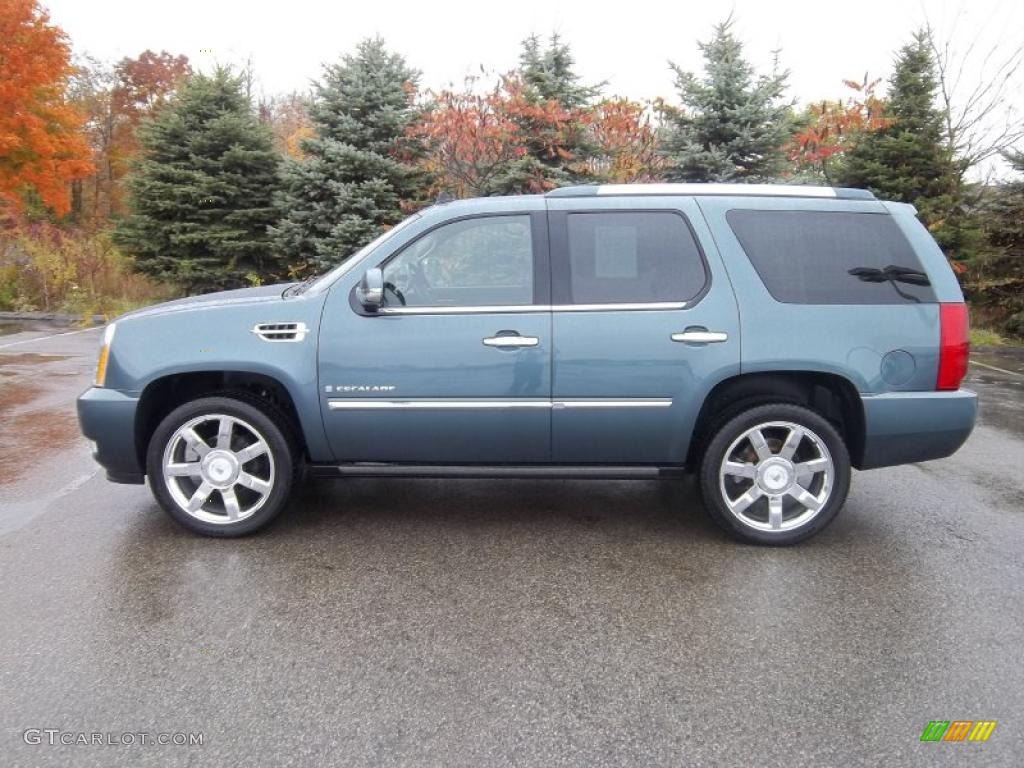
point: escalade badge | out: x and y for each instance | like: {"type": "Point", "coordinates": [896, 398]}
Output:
{"type": "Point", "coordinates": [360, 388]}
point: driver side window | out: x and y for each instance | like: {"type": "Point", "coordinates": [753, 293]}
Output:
{"type": "Point", "coordinates": [486, 261]}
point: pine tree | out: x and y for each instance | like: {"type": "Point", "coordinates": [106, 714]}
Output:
{"type": "Point", "coordinates": [907, 160]}
{"type": "Point", "coordinates": [1006, 228]}
{"type": "Point", "coordinates": [732, 124]}
{"type": "Point", "coordinates": [551, 115]}
{"type": "Point", "coordinates": [997, 279]}
{"type": "Point", "coordinates": [352, 182]}
{"type": "Point", "coordinates": [202, 195]}
{"type": "Point", "coordinates": [550, 72]}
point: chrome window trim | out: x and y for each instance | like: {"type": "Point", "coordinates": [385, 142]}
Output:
{"type": "Point", "coordinates": [625, 306]}
{"type": "Point", "coordinates": [534, 308]}
{"type": "Point", "coordinates": [451, 403]}
{"type": "Point", "coordinates": [465, 310]}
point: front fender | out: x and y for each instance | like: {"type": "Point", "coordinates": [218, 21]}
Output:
{"type": "Point", "coordinates": [218, 340]}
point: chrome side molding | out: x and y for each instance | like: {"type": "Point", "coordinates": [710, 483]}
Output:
{"type": "Point", "coordinates": [434, 403]}
{"type": "Point", "coordinates": [447, 403]}
{"type": "Point", "coordinates": [615, 402]}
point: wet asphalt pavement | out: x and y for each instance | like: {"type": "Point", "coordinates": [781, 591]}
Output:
{"type": "Point", "coordinates": [478, 623]}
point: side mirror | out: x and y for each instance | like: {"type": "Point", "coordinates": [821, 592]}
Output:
{"type": "Point", "coordinates": [370, 291]}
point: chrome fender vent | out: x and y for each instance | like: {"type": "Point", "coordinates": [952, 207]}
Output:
{"type": "Point", "coordinates": [281, 331]}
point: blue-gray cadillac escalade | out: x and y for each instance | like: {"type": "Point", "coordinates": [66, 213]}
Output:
{"type": "Point", "coordinates": [768, 338]}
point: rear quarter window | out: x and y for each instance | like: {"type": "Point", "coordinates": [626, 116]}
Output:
{"type": "Point", "coordinates": [831, 257]}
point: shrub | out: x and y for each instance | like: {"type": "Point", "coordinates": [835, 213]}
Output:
{"type": "Point", "coordinates": [52, 270]}
{"type": "Point", "coordinates": [1014, 324]}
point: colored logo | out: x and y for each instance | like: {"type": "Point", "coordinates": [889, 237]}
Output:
{"type": "Point", "coordinates": [958, 730]}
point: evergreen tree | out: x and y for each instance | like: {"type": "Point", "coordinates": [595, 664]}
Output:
{"type": "Point", "coordinates": [732, 124]}
{"type": "Point", "coordinates": [202, 195]}
{"type": "Point", "coordinates": [550, 72]}
{"type": "Point", "coordinates": [352, 183]}
{"type": "Point", "coordinates": [907, 161]}
{"type": "Point", "coordinates": [1006, 228]}
{"type": "Point", "coordinates": [997, 279]}
{"type": "Point", "coordinates": [550, 108]}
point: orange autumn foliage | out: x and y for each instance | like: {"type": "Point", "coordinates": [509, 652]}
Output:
{"type": "Point", "coordinates": [833, 126]}
{"type": "Point", "coordinates": [470, 137]}
{"type": "Point", "coordinates": [473, 140]}
{"type": "Point", "coordinates": [289, 122]}
{"type": "Point", "coordinates": [41, 144]}
{"type": "Point", "coordinates": [627, 143]}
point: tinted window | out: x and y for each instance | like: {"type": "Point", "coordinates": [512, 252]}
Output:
{"type": "Point", "coordinates": [474, 262]}
{"type": "Point", "coordinates": [806, 257]}
{"type": "Point", "coordinates": [632, 257]}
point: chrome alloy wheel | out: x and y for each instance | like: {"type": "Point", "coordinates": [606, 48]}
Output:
{"type": "Point", "coordinates": [776, 476]}
{"type": "Point", "coordinates": [218, 469]}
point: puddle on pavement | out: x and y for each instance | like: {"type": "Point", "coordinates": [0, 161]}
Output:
{"type": "Point", "coordinates": [29, 439]}
{"type": "Point", "coordinates": [27, 358]}
{"type": "Point", "coordinates": [16, 394]}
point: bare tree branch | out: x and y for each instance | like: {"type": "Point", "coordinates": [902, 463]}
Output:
{"type": "Point", "coordinates": [980, 117]}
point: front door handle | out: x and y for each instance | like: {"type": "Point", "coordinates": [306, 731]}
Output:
{"type": "Point", "coordinates": [700, 336]}
{"type": "Point", "coordinates": [511, 341]}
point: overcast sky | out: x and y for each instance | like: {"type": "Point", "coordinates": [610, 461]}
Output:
{"type": "Point", "coordinates": [626, 44]}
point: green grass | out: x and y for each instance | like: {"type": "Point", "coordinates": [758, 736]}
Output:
{"type": "Point", "coordinates": [983, 337]}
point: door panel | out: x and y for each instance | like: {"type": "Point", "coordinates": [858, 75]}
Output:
{"type": "Point", "coordinates": [441, 382]}
{"type": "Point", "coordinates": [442, 394]}
{"type": "Point", "coordinates": [623, 390]}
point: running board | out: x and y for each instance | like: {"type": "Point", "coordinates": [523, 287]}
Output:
{"type": "Point", "coordinates": [497, 471]}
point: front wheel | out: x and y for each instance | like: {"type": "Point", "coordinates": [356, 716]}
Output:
{"type": "Point", "coordinates": [221, 466]}
{"type": "Point", "coordinates": [775, 474]}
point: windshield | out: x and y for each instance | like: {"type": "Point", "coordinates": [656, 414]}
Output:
{"type": "Point", "coordinates": [326, 279]}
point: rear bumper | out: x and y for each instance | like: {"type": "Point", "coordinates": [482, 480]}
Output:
{"type": "Point", "coordinates": [907, 427]}
{"type": "Point", "coordinates": [107, 417]}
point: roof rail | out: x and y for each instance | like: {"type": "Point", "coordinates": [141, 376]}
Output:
{"type": "Point", "coordinates": [756, 190]}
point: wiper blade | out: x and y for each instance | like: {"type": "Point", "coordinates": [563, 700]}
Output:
{"type": "Point", "coordinates": [891, 273]}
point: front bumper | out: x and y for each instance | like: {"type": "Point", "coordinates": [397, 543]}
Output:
{"type": "Point", "coordinates": [107, 417]}
{"type": "Point", "coordinates": [907, 427]}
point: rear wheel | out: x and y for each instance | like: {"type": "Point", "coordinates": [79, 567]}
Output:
{"type": "Point", "coordinates": [775, 474]}
{"type": "Point", "coordinates": [221, 466]}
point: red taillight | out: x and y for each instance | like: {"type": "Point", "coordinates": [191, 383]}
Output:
{"type": "Point", "coordinates": [954, 345]}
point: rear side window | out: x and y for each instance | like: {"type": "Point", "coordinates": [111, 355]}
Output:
{"type": "Point", "coordinates": [831, 257]}
{"type": "Point", "coordinates": [633, 257]}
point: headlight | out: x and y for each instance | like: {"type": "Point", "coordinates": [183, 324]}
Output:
{"type": "Point", "coordinates": [101, 366]}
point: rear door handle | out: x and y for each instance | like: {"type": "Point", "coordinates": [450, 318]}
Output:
{"type": "Point", "coordinates": [511, 341]}
{"type": "Point", "coordinates": [700, 336]}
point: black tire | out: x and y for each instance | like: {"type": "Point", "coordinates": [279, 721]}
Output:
{"type": "Point", "coordinates": [259, 417]}
{"type": "Point", "coordinates": [725, 435]}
